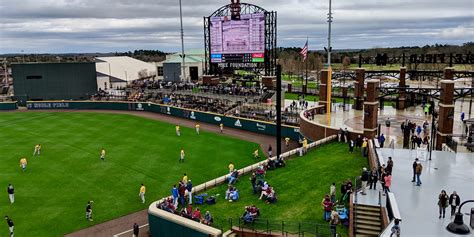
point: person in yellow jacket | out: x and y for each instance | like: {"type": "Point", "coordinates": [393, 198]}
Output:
{"type": "Point", "coordinates": [197, 128]}
{"type": "Point", "coordinates": [231, 167]}
{"type": "Point", "coordinates": [305, 145]}
{"type": "Point", "coordinates": [364, 147]}
{"type": "Point", "coordinates": [178, 132]}
{"type": "Point", "coordinates": [102, 154]}
{"type": "Point", "coordinates": [37, 150]}
{"type": "Point", "coordinates": [221, 126]}
{"type": "Point", "coordinates": [181, 157]}
{"type": "Point", "coordinates": [255, 154]}
{"type": "Point", "coordinates": [142, 193]}
{"type": "Point", "coordinates": [287, 141]}
{"type": "Point", "coordinates": [23, 164]}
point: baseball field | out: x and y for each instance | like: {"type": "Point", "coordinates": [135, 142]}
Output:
{"type": "Point", "coordinates": [51, 195]}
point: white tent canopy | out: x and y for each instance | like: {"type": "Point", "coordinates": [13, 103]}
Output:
{"type": "Point", "coordinates": [123, 68]}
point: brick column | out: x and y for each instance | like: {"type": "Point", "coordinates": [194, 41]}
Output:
{"type": "Point", "coordinates": [359, 89]}
{"type": "Point", "coordinates": [449, 73]}
{"type": "Point", "coordinates": [401, 95]}
{"type": "Point", "coordinates": [323, 88]}
{"type": "Point", "coordinates": [446, 113]}
{"type": "Point", "coordinates": [371, 109]}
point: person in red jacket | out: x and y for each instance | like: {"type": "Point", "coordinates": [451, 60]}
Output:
{"type": "Point", "coordinates": [388, 182]}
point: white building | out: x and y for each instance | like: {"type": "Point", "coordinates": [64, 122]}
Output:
{"type": "Point", "coordinates": [117, 72]}
{"type": "Point", "coordinates": [170, 69]}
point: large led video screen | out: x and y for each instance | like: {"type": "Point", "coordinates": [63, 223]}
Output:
{"type": "Point", "coordinates": [238, 40]}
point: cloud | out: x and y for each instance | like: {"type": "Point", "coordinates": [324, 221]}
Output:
{"type": "Point", "coordinates": [460, 32]}
{"type": "Point", "coordinates": [114, 25]}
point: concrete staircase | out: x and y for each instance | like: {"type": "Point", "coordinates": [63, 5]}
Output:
{"type": "Point", "coordinates": [368, 220]}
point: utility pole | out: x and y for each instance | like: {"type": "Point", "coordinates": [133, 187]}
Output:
{"type": "Point", "coordinates": [183, 66]}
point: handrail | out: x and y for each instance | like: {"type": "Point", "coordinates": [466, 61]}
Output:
{"type": "Point", "coordinates": [393, 214]}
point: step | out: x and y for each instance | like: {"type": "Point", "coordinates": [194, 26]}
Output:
{"type": "Point", "coordinates": [367, 232]}
{"type": "Point", "coordinates": [370, 218]}
{"type": "Point", "coordinates": [364, 235]}
{"type": "Point", "coordinates": [368, 227]}
{"type": "Point", "coordinates": [368, 222]}
{"type": "Point", "coordinates": [367, 213]}
{"type": "Point", "coordinates": [368, 208]}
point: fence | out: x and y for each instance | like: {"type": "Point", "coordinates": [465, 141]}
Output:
{"type": "Point", "coordinates": [251, 125]}
{"type": "Point", "coordinates": [8, 106]}
{"type": "Point", "coordinates": [284, 228]}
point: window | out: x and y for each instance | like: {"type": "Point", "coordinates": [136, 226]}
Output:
{"type": "Point", "coordinates": [160, 71]}
{"type": "Point", "coordinates": [35, 77]}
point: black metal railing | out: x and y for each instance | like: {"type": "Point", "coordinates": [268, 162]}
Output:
{"type": "Point", "coordinates": [285, 228]}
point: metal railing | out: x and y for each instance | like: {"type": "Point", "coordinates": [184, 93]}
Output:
{"type": "Point", "coordinates": [393, 214]}
{"type": "Point", "coordinates": [284, 228]}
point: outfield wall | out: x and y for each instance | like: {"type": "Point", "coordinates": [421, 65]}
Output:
{"type": "Point", "coordinates": [8, 106]}
{"type": "Point", "coordinates": [205, 117]}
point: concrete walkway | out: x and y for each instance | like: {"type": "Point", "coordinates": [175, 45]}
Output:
{"type": "Point", "coordinates": [418, 204]}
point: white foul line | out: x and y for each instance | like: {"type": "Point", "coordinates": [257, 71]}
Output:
{"type": "Point", "coordinates": [119, 234]}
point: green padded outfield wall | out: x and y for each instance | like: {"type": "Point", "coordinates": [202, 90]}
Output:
{"type": "Point", "coordinates": [8, 106]}
{"type": "Point", "coordinates": [233, 122]}
{"type": "Point", "coordinates": [160, 227]}
{"type": "Point", "coordinates": [53, 81]}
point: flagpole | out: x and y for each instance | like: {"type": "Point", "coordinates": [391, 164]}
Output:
{"type": "Point", "coordinates": [306, 82]}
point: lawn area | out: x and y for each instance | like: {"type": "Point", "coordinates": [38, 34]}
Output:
{"type": "Point", "coordinates": [51, 196]}
{"type": "Point", "coordinates": [300, 187]}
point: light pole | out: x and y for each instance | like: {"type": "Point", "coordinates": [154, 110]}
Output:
{"type": "Point", "coordinates": [458, 226]}
{"type": "Point", "coordinates": [329, 34]}
{"type": "Point", "coordinates": [183, 66]}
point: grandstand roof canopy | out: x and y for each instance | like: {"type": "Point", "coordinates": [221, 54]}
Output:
{"type": "Point", "coordinates": [123, 68]}
{"type": "Point", "coordinates": [192, 56]}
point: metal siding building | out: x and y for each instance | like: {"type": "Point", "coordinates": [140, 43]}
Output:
{"type": "Point", "coordinates": [53, 81]}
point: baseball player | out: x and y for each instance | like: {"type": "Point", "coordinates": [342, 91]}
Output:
{"type": "Point", "coordinates": [181, 158]}
{"type": "Point", "coordinates": [102, 154]}
{"type": "Point", "coordinates": [11, 193]}
{"type": "Point", "coordinates": [178, 133]}
{"type": "Point", "coordinates": [89, 210]}
{"type": "Point", "coordinates": [197, 128]}
{"type": "Point", "coordinates": [221, 126]}
{"type": "Point", "coordinates": [37, 150]}
{"type": "Point", "coordinates": [23, 164]}
{"type": "Point", "coordinates": [10, 225]}
{"type": "Point", "coordinates": [142, 193]}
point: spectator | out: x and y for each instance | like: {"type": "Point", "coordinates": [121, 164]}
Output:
{"type": "Point", "coordinates": [373, 178]}
{"type": "Point", "coordinates": [381, 140]}
{"type": "Point", "coordinates": [454, 201]}
{"type": "Point", "coordinates": [253, 181]}
{"type": "Point", "coordinates": [175, 195]}
{"type": "Point", "coordinates": [233, 177]}
{"type": "Point", "coordinates": [332, 192]}
{"type": "Point", "coordinates": [196, 215]}
{"type": "Point", "coordinates": [207, 220]}
{"type": "Point", "coordinates": [189, 189]}
{"type": "Point", "coordinates": [364, 178]}
{"type": "Point", "coordinates": [233, 195]}
{"type": "Point", "coordinates": [327, 207]}
{"type": "Point", "coordinates": [395, 229]}
{"type": "Point", "coordinates": [351, 146]}
{"type": "Point", "coordinates": [136, 230]}
{"type": "Point", "coordinates": [418, 170]}
{"type": "Point", "coordinates": [414, 169]}
{"type": "Point", "coordinates": [231, 167]}
{"type": "Point", "coordinates": [182, 192]}
{"type": "Point", "coordinates": [334, 222]}
{"type": "Point", "coordinates": [270, 150]}
{"type": "Point", "coordinates": [359, 142]}
{"type": "Point", "coordinates": [388, 182]}
{"type": "Point", "coordinates": [389, 165]}
{"type": "Point", "coordinates": [442, 203]}
{"type": "Point", "coordinates": [364, 147]}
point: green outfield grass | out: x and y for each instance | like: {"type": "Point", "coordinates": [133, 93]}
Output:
{"type": "Point", "coordinates": [51, 195]}
{"type": "Point", "coordinates": [300, 188]}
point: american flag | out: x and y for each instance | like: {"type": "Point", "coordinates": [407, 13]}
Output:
{"type": "Point", "coordinates": [304, 51]}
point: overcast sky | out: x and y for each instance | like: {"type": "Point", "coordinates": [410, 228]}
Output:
{"type": "Point", "coordinates": [55, 26]}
